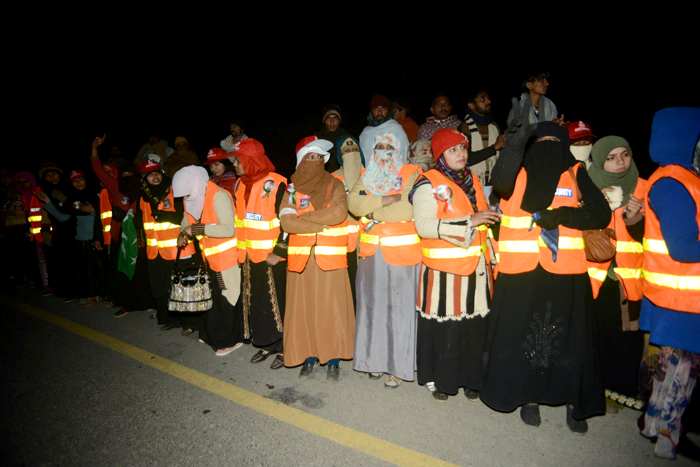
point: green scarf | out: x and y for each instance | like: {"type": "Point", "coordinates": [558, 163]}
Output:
{"type": "Point", "coordinates": [602, 179]}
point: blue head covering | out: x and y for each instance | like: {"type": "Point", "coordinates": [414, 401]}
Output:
{"type": "Point", "coordinates": [674, 133]}
{"type": "Point", "coordinates": [340, 142]}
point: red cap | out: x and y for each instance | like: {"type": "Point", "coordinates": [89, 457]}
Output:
{"type": "Point", "coordinates": [75, 174]}
{"type": "Point", "coordinates": [579, 129]}
{"type": "Point", "coordinates": [446, 138]}
{"type": "Point", "coordinates": [150, 166]}
{"type": "Point", "coordinates": [216, 154]}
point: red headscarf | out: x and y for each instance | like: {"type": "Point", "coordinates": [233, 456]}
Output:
{"type": "Point", "coordinates": [256, 165]}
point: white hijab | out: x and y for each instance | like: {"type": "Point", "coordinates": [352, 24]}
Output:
{"type": "Point", "coordinates": [191, 180]}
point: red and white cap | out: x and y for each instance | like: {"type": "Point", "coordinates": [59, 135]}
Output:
{"type": "Point", "coordinates": [216, 154]}
{"type": "Point", "coordinates": [75, 174]}
{"type": "Point", "coordinates": [150, 166]}
{"type": "Point", "coordinates": [313, 144]}
{"type": "Point", "coordinates": [579, 129]}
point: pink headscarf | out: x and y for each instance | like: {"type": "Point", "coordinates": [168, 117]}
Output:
{"type": "Point", "coordinates": [191, 180]}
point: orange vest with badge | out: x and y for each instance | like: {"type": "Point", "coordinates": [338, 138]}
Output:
{"type": "Point", "coordinates": [161, 237]}
{"type": "Point", "coordinates": [399, 240]}
{"type": "Point", "coordinates": [330, 247]}
{"type": "Point", "coordinates": [521, 249]}
{"type": "Point", "coordinates": [257, 225]}
{"type": "Point", "coordinates": [353, 226]}
{"type": "Point", "coordinates": [106, 216]}
{"type": "Point", "coordinates": [442, 255]}
{"type": "Point", "coordinates": [628, 256]}
{"type": "Point", "coordinates": [669, 283]}
{"type": "Point", "coordinates": [220, 252]}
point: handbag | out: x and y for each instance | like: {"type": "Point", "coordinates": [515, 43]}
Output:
{"type": "Point", "coordinates": [596, 242]}
{"type": "Point", "coordinates": [190, 290]}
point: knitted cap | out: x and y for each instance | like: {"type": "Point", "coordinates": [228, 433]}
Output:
{"type": "Point", "coordinates": [331, 110]}
{"type": "Point", "coordinates": [446, 138]}
{"type": "Point", "coordinates": [48, 167]}
{"type": "Point", "coordinates": [379, 100]}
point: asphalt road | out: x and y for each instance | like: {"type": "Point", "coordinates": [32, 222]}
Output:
{"type": "Point", "coordinates": [80, 387]}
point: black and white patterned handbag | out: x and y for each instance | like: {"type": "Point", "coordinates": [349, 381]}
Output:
{"type": "Point", "coordinates": [190, 290]}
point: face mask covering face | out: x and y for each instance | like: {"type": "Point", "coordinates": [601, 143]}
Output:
{"type": "Point", "coordinates": [581, 153]}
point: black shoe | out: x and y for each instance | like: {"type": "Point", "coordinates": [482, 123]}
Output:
{"type": "Point", "coordinates": [471, 394]}
{"type": "Point", "coordinates": [121, 312]}
{"type": "Point", "coordinates": [530, 414]}
{"type": "Point", "coordinates": [333, 373]}
{"type": "Point", "coordinates": [47, 293]}
{"type": "Point", "coordinates": [306, 370]}
{"type": "Point", "coordinates": [577, 426]}
{"type": "Point", "coordinates": [278, 362]}
{"type": "Point", "coordinates": [439, 396]}
{"type": "Point", "coordinates": [186, 332]}
{"type": "Point", "coordinates": [261, 356]}
{"type": "Point", "coordinates": [167, 327]}
{"type": "Point", "coordinates": [69, 299]}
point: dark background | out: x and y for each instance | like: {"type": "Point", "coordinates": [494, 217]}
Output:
{"type": "Point", "coordinates": [281, 100]}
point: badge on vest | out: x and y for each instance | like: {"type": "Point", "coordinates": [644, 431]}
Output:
{"type": "Point", "coordinates": [125, 200]}
{"type": "Point", "coordinates": [166, 203]}
{"type": "Point", "coordinates": [268, 187]}
{"type": "Point", "coordinates": [397, 184]}
{"type": "Point", "coordinates": [567, 192]}
{"type": "Point", "coordinates": [304, 203]}
{"type": "Point", "coordinates": [251, 216]}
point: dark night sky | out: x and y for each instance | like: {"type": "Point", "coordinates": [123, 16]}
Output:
{"type": "Point", "coordinates": [281, 99]}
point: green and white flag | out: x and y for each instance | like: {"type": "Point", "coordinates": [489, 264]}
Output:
{"type": "Point", "coordinates": [129, 248]}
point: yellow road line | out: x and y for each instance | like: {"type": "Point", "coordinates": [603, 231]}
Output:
{"type": "Point", "coordinates": [340, 434]}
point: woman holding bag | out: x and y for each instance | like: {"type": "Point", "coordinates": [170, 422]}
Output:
{"type": "Point", "coordinates": [209, 216]}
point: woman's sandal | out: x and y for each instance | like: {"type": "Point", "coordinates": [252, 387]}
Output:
{"type": "Point", "coordinates": [392, 382]}
{"type": "Point", "coordinates": [375, 375]}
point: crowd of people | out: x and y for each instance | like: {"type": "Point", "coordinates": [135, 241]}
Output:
{"type": "Point", "coordinates": [450, 252]}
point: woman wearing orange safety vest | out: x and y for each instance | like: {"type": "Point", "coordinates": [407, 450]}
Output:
{"type": "Point", "coordinates": [617, 284]}
{"type": "Point", "coordinates": [159, 214]}
{"type": "Point", "coordinates": [452, 218]}
{"type": "Point", "coordinates": [23, 224]}
{"type": "Point", "coordinates": [387, 272]}
{"type": "Point", "coordinates": [209, 216]}
{"type": "Point", "coordinates": [351, 162]}
{"type": "Point", "coordinates": [258, 193]}
{"type": "Point", "coordinates": [319, 323]}
{"type": "Point", "coordinates": [671, 303]}
{"type": "Point", "coordinates": [541, 345]}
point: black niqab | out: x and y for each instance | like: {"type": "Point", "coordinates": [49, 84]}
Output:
{"type": "Point", "coordinates": [544, 163]}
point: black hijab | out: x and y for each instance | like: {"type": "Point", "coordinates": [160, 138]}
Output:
{"type": "Point", "coordinates": [544, 163]}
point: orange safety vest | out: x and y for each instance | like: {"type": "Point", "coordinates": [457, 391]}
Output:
{"type": "Point", "coordinates": [353, 226]}
{"type": "Point", "coordinates": [521, 249]}
{"type": "Point", "coordinates": [628, 256]}
{"type": "Point", "coordinates": [257, 225]}
{"type": "Point", "coordinates": [669, 283]}
{"type": "Point", "coordinates": [399, 240]}
{"type": "Point", "coordinates": [161, 237]}
{"type": "Point", "coordinates": [106, 216]}
{"type": "Point", "coordinates": [34, 217]}
{"type": "Point", "coordinates": [330, 246]}
{"type": "Point", "coordinates": [442, 255]}
{"type": "Point", "coordinates": [220, 252]}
